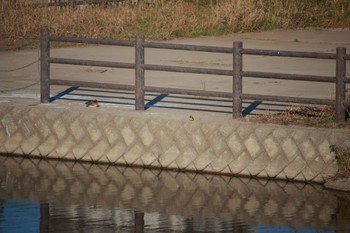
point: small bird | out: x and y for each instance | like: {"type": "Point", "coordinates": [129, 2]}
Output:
{"type": "Point", "coordinates": [92, 103]}
{"type": "Point", "coordinates": [191, 118]}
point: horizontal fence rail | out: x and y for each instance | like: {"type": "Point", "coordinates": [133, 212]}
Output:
{"type": "Point", "coordinates": [236, 73]}
{"type": "Point", "coordinates": [197, 48]}
{"type": "Point", "coordinates": [92, 85]}
{"type": "Point", "coordinates": [280, 53]}
{"type": "Point", "coordinates": [92, 41]}
{"type": "Point", "coordinates": [183, 69]}
{"type": "Point", "coordinates": [295, 77]}
{"type": "Point", "coordinates": [80, 62]}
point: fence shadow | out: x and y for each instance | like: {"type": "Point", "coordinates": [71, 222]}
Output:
{"type": "Point", "coordinates": [115, 98]}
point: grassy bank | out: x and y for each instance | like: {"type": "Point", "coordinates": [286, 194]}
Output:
{"type": "Point", "coordinates": [20, 24]}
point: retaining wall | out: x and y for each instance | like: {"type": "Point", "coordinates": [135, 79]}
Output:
{"type": "Point", "coordinates": [138, 138]}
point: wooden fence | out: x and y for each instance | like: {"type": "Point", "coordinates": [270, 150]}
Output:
{"type": "Point", "coordinates": [237, 73]}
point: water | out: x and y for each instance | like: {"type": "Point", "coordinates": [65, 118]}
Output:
{"type": "Point", "coordinates": [55, 196]}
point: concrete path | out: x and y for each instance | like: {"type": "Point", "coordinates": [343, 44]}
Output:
{"type": "Point", "coordinates": [22, 85]}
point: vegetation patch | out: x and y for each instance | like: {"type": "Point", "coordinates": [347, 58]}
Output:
{"type": "Point", "coordinates": [166, 19]}
{"type": "Point", "coordinates": [342, 156]}
{"type": "Point", "coordinates": [316, 116]}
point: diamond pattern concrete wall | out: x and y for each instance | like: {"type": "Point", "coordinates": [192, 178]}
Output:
{"type": "Point", "coordinates": [232, 147]}
{"type": "Point", "coordinates": [187, 194]}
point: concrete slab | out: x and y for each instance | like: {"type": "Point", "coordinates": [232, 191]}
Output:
{"type": "Point", "coordinates": [22, 85]}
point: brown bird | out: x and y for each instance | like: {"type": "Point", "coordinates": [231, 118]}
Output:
{"type": "Point", "coordinates": [92, 103]}
{"type": "Point", "coordinates": [191, 118]}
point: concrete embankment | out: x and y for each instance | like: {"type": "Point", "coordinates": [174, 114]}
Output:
{"type": "Point", "coordinates": [164, 141]}
{"type": "Point", "coordinates": [212, 142]}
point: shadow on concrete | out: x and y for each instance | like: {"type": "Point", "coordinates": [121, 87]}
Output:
{"type": "Point", "coordinates": [167, 101]}
{"type": "Point", "coordinates": [63, 93]}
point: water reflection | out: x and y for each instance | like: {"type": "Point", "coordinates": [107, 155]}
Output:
{"type": "Point", "coordinates": [55, 196]}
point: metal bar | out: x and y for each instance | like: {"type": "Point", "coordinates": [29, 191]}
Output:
{"type": "Point", "coordinates": [281, 53]}
{"type": "Point", "coordinates": [187, 69]}
{"type": "Point", "coordinates": [139, 73]}
{"type": "Point", "coordinates": [69, 61]}
{"type": "Point", "coordinates": [237, 79]}
{"type": "Point", "coordinates": [44, 66]}
{"type": "Point", "coordinates": [288, 99]}
{"type": "Point", "coordinates": [188, 92]}
{"type": "Point", "coordinates": [92, 41]}
{"type": "Point", "coordinates": [199, 48]}
{"type": "Point", "coordinates": [296, 77]}
{"type": "Point", "coordinates": [92, 85]}
{"type": "Point", "coordinates": [340, 109]}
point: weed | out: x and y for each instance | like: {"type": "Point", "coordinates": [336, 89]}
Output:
{"type": "Point", "coordinates": [316, 116]}
{"type": "Point", "coordinates": [342, 157]}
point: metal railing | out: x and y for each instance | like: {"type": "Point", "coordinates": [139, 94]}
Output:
{"type": "Point", "coordinates": [236, 72]}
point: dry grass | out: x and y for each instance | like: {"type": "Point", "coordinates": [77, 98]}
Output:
{"type": "Point", "coordinates": [316, 116]}
{"type": "Point", "coordinates": [311, 115]}
{"type": "Point", "coordinates": [167, 19]}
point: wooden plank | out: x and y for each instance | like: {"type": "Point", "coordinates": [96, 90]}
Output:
{"type": "Point", "coordinates": [111, 86]}
{"type": "Point", "coordinates": [69, 61]}
{"type": "Point", "coordinates": [282, 53]}
{"type": "Point", "coordinates": [296, 77]}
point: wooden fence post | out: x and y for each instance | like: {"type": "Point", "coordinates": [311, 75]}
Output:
{"type": "Point", "coordinates": [237, 79]}
{"type": "Point", "coordinates": [139, 222]}
{"type": "Point", "coordinates": [340, 109]}
{"type": "Point", "coordinates": [44, 65]}
{"type": "Point", "coordinates": [139, 73]}
{"type": "Point", "coordinates": [44, 217]}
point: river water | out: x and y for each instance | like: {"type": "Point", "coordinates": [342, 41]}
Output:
{"type": "Point", "coordinates": [55, 196]}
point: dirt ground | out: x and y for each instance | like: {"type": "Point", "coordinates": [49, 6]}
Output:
{"type": "Point", "coordinates": [19, 84]}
